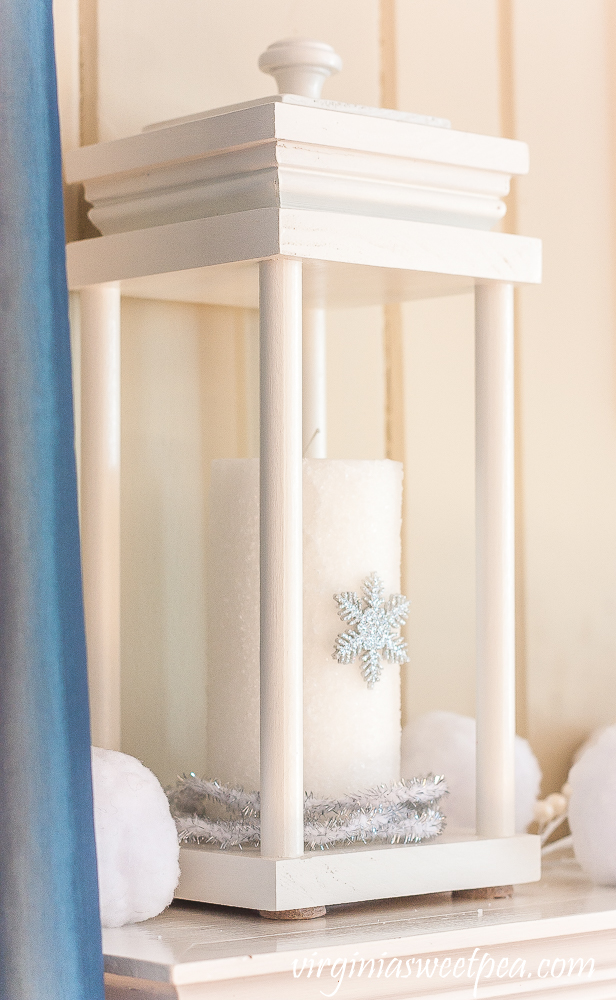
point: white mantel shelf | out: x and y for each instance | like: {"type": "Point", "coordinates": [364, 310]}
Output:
{"type": "Point", "coordinates": [198, 951]}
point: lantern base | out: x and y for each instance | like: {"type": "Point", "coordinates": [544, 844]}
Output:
{"type": "Point", "coordinates": [353, 874]}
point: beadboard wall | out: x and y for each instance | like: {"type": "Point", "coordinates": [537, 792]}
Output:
{"type": "Point", "coordinates": [542, 72]}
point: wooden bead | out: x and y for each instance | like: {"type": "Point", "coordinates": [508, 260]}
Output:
{"type": "Point", "coordinates": [559, 803]}
{"type": "Point", "coordinates": [544, 811]}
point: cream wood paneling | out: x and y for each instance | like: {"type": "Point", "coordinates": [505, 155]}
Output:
{"type": "Point", "coordinates": [160, 60]}
{"type": "Point", "coordinates": [439, 504]}
{"type": "Point", "coordinates": [184, 402]}
{"type": "Point", "coordinates": [66, 40]}
{"type": "Point", "coordinates": [447, 55]}
{"type": "Point", "coordinates": [555, 89]}
{"type": "Point", "coordinates": [355, 383]}
{"type": "Point", "coordinates": [561, 90]}
{"type": "Point", "coordinates": [448, 61]}
{"type": "Point", "coordinates": [563, 83]}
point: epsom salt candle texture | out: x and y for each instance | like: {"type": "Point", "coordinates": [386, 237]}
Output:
{"type": "Point", "coordinates": [352, 520]}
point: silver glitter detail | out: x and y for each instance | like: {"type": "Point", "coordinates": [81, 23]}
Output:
{"type": "Point", "coordinates": [402, 813]}
{"type": "Point", "coordinates": [377, 622]}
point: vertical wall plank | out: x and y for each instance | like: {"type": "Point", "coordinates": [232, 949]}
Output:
{"type": "Point", "coordinates": [448, 65]}
{"type": "Point", "coordinates": [392, 319]}
{"type": "Point", "coordinates": [510, 225]}
{"type": "Point", "coordinates": [356, 384]}
{"type": "Point", "coordinates": [66, 41]}
{"type": "Point", "coordinates": [88, 72]}
{"type": "Point", "coordinates": [439, 504]}
{"type": "Point", "coordinates": [562, 82]}
{"type": "Point", "coordinates": [448, 61]}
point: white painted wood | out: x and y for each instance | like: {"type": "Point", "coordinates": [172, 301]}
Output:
{"type": "Point", "coordinates": [300, 65]}
{"type": "Point", "coordinates": [414, 246]}
{"type": "Point", "coordinates": [391, 114]}
{"type": "Point", "coordinates": [282, 785]}
{"type": "Point", "coordinates": [321, 236]}
{"type": "Point", "coordinates": [495, 680]}
{"type": "Point", "coordinates": [295, 175]}
{"type": "Point", "coordinates": [370, 208]}
{"type": "Point", "coordinates": [314, 379]}
{"type": "Point", "coordinates": [325, 284]}
{"type": "Point", "coordinates": [244, 878]}
{"type": "Point", "coordinates": [281, 155]}
{"type": "Point", "coordinates": [221, 954]}
{"type": "Point", "coordinates": [100, 504]}
{"type": "Point", "coordinates": [296, 121]}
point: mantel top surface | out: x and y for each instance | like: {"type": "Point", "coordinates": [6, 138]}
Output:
{"type": "Point", "coordinates": [199, 943]}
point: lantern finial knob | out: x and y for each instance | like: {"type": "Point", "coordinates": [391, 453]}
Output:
{"type": "Point", "coordinates": [300, 65]}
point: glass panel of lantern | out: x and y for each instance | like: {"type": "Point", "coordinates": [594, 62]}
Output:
{"type": "Point", "coordinates": [296, 207]}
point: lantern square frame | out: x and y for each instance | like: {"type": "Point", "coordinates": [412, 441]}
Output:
{"type": "Point", "coordinates": [285, 258]}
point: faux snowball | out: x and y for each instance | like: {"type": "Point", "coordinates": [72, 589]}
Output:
{"type": "Point", "coordinates": [592, 807]}
{"type": "Point", "coordinates": [136, 840]}
{"type": "Point", "coordinates": [444, 743]}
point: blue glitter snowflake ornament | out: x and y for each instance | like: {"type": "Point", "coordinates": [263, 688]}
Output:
{"type": "Point", "coordinates": [376, 628]}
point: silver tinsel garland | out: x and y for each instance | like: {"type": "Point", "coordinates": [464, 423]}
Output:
{"type": "Point", "coordinates": [401, 813]}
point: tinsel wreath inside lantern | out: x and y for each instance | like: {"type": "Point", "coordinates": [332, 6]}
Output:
{"type": "Point", "coordinates": [299, 206]}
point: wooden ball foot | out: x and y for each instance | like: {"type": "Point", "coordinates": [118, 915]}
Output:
{"type": "Point", "coordinates": [307, 913]}
{"type": "Point", "coordinates": [487, 892]}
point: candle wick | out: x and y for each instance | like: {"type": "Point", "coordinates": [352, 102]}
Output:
{"type": "Point", "coordinates": [318, 431]}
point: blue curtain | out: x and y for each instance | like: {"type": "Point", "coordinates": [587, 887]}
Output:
{"type": "Point", "coordinates": [50, 943]}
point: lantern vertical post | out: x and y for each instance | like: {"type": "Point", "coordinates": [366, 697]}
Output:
{"type": "Point", "coordinates": [100, 504]}
{"type": "Point", "coordinates": [280, 325]}
{"type": "Point", "coordinates": [494, 332]}
{"type": "Point", "coordinates": [314, 383]}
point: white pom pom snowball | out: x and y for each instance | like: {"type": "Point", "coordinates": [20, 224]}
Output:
{"type": "Point", "coordinates": [592, 807]}
{"type": "Point", "coordinates": [137, 845]}
{"type": "Point", "coordinates": [444, 743]}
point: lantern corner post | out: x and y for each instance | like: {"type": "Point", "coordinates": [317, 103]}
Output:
{"type": "Point", "coordinates": [281, 573]}
{"type": "Point", "coordinates": [100, 503]}
{"type": "Point", "coordinates": [495, 558]}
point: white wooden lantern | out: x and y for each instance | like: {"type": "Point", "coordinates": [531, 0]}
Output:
{"type": "Point", "coordinates": [296, 200]}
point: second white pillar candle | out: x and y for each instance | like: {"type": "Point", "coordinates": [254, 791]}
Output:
{"type": "Point", "coordinates": [352, 521]}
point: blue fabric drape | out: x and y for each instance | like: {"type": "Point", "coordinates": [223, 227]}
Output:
{"type": "Point", "coordinates": [50, 945]}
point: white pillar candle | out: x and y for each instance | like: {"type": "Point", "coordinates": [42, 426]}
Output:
{"type": "Point", "coordinates": [352, 521]}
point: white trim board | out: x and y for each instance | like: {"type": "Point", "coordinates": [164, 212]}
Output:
{"type": "Point", "coordinates": [324, 878]}
{"type": "Point", "coordinates": [447, 253]}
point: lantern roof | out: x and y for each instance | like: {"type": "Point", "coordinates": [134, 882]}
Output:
{"type": "Point", "coordinates": [298, 175]}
